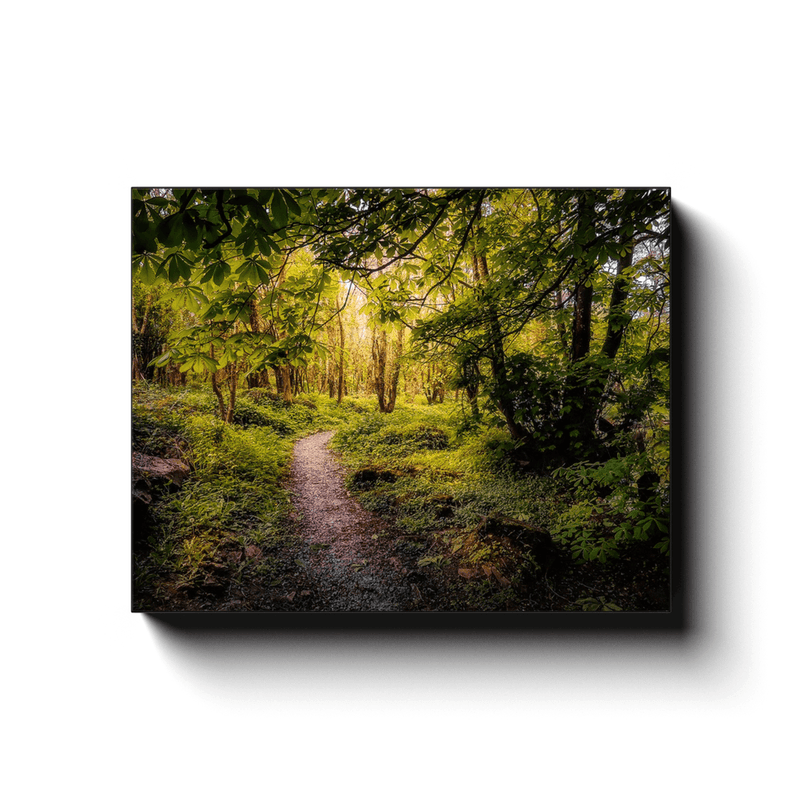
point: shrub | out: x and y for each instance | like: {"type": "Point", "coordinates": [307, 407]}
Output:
{"type": "Point", "coordinates": [414, 436]}
{"type": "Point", "coordinates": [612, 505]}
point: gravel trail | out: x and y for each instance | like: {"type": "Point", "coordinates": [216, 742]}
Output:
{"type": "Point", "coordinates": [349, 556]}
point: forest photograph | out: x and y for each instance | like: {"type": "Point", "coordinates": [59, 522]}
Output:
{"type": "Point", "coordinates": [400, 399]}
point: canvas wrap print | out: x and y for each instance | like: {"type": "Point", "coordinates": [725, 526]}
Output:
{"type": "Point", "coordinates": [398, 399]}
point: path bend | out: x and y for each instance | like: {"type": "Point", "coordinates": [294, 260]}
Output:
{"type": "Point", "coordinates": [350, 562]}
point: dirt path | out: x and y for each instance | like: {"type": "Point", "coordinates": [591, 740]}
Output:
{"type": "Point", "coordinates": [352, 557]}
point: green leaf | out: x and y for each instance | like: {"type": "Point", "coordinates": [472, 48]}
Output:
{"type": "Point", "coordinates": [141, 222]}
{"type": "Point", "coordinates": [184, 267]}
{"type": "Point", "coordinates": [147, 274]}
{"type": "Point", "coordinates": [279, 211]}
{"type": "Point", "coordinates": [209, 363]}
{"type": "Point", "coordinates": [162, 360]}
{"type": "Point", "coordinates": [170, 230]}
{"type": "Point", "coordinates": [192, 233]}
{"type": "Point", "coordinates": [221, 271]}
{"type": "Point", "coordinates": [258, 213]}
{"type": "Point", "coordinates": [263, 268]}
{"type": "Point", "coordinates": [292, 204]}
{"type": "Point", "coordinates": [174, 274]}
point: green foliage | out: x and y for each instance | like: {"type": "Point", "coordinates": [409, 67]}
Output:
{"type": "Point", "coordinates": [595, 604]}
{"type": "Point", "coordinates": [234, 497]}
{"type": "Point", "coordinates": [607, 510]}
{"type": "Point", "coordinates": [284, 418]}
{"type": "Point", "coordinates": [434, 561]}
{"type": "Point", "coordinates": [412, 436]}
{"type": "Point", "coordinates": [547, 310]}
{"type": "Point", "coordinates": [440, 487]}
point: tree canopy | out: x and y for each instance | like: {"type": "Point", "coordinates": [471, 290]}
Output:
{"type": "Point", "coordinates": [547, 309]}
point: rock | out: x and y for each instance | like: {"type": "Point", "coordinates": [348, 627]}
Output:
{"type": "Point", "coordinates": [213, 586]}
{"type": "Point", "coordinates": [150, 476]}
{"type": "Point", "coordinates": [154, 469]}
{"type": "Point", "coordinates": [368, 475]}
{"type": "Point", "coordinates": [500, 578]}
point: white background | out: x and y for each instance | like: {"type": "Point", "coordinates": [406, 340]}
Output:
{"type": "Point", "coordinates": [98, 97]}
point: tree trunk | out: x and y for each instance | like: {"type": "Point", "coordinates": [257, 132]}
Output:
{"type": "Point", "coordinates": [560, 326]}
{"type": "Point", "coordinates": [577, 423]}
{"type": "Point", "coordinates": [340, 390]}
{"type": "Point", "coordinates": [215, 388]}
{"type": "Point", "coordinates": [503, 395]}
{"type": "Point", "coordinates": [379, 367]}
{"type": "Point", "coordinates": [470, 382]}
{"type": "Point", "coordinates": [233, 379]}
{"type": "Point", "coordinates": [472, 397]}
{"type": "Point", "coordinates": [137, 368]}
{"type": "Point", "coordinates": [330, 363]}
{"type": "Point", "coordinates": [618, 319]}
{"type": "Point", "coordinates": [258, 379]}
{"type": "Point", "coordinates": [581, 323]}
{"type": "Point", "coordinates": [617, 324]}
{"type": "Point", "coordinates": [395, 374]}
{"type": "Point", "coordinates": [286, 383]}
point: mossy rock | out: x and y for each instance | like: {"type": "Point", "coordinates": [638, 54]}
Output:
{"type": "Point", "coordinates": [366, 476]}
{"type": "Point", "coordinates": [536, 541]}
{"type": "Point", "coordinates": [443, 505]}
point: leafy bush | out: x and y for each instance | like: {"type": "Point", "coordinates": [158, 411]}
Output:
{"type": "Point", "coordinates": [357, 435]}
{"type": "Point", "coordinates": [612, 505]}
{"type": "Point", "coordinates": [248, 414]}
{"type": "Point", "coordinates": [154, 433]}
{"type": "Point", "coordinates": [414, 436]}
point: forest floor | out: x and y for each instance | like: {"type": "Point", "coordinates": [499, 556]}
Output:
{"type": "Point", "coordinates": [276, 512]}
{"type": "Point", "coordinates": [355, 560]}
{"type": "Point", "coordinates": [334, 555]}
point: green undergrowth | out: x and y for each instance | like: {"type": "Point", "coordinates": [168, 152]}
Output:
{"type": "Point", "coordinates": [227, 519]}
{"type": "Point", "coordinates": [421, 454]}
{"type": "Point", "coordinates": [587, 537]}
{"type": "Point", "coordinates": [502, 532]}
{"type": "Point", "coordinates": [439, 484]}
